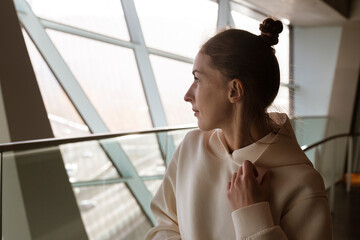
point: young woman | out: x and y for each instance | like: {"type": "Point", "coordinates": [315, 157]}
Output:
{"type": "Point", "coordinates": [243, 174]}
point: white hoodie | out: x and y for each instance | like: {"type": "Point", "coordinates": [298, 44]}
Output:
{"type": "Point", "coordinates": [192, 204]}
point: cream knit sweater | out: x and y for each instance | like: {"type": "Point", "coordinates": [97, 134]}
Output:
{"type": "Point", "coordinates": [191, 203]}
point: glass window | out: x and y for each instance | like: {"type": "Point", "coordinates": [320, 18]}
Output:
{"type": "Point", "coordinates": [64, 118]}
{"type": "Point", "coordinates": [144, 153]}
{"type": "Point", "coordinates": [173, 79]}
{"type": "Point", "coordinates": [101, 16]}
{"type": "Point", "coordinates": [111, 212]}
{"type": "Point", "coordinates": [245, 23]}
{"type": "Point", "coordinates": [177, 26]}
{"type": "Point", "coordinates": [281, 102]}
{"type": "Point", "coordinates": [85, 160]}
{"type": "Point", "coordinates": [109, 76]}
{"type": "Point", "coordinates": [283, 54]}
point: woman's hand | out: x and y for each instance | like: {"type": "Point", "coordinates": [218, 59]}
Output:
{"type": "Point", "coordinates": [244, 188]}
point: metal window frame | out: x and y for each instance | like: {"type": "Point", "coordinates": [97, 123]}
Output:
{"type": "Point", "coordinates": [150, 88]}
{"type": "Point", "coordinates": [83, 105]}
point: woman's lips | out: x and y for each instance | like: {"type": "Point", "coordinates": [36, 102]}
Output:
{"type": "Point", "coordinates": [195, 112]}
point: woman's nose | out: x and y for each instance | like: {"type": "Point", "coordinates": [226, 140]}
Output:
{"type": "Point", "coordinates": [188, 96]}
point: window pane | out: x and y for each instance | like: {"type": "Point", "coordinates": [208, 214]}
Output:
{"type": "Point", "coordinates": [173, 79]}
{"type": "Point", "coordinates": [144, 153]}
{"type": "Point", "coordinates": [101, 16]}
{"type": "Point", "coordinates": [83, 161]}
{"type": "Point", "coordinates": [281, 102]}
{"type": "Point", "coordinates": [65, 120]}
{"type": "Point", "coordinates": [246, 23]}
{"type": "Point", "coordinates": [178, 26]}
{"type": "Point", "coordinates": [111, 212]}
{"type": "Point", "coordinates": [109, 76]}
{"type": "Point", "coordinates": [283, 54]}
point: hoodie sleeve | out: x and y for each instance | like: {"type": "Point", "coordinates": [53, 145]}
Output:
{"type": "Point", "coordinates": [306, 216]}
{"type": "Point", "coordinates": [256, 222]}
{"type": "Point", "coordinates": [163, 207]}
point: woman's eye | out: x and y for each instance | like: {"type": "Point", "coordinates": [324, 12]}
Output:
{"type": "Point", "coordinates": [196, 79]}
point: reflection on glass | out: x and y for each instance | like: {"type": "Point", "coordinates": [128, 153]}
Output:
{"type": "Point", "coordinates": [87, 161]}
{"type": "Point", "coordinates": [173, 79]}
{"type": "Point", "coordinates": [105, 16]}
{"type": "Point", "coordinates": [143, 151]}
{"type": "Point", "coordinates": [109, 76]}
{"type": "Point", "coordinates": [111, 212]}
{"type": "Point", "coordinates": [178, 26]}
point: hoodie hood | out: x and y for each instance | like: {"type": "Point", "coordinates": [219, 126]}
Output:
{"type": "Point", "coordinates": [282, 144]}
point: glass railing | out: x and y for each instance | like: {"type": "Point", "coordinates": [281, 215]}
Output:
{"type": "Point", "coordinates": [309, 130]}
{"type": "Point", "coordinates": [110, 179]}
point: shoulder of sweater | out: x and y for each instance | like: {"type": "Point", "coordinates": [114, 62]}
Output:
{"type": "Point", "coordinates": [305, 181]}
{"type": "Point", "coordinates": [301, 172]}
{"type": "Point", "coordinates": [196, 135]}
{"type": "Point", "coordinates": [189, 139]}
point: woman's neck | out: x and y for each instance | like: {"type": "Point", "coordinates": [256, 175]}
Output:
{"type": "Point", "coordinates": [237, 137]}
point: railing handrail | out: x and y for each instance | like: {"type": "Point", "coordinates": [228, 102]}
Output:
{"type": "Point", "coordinates": [308, 147]}
{"type": "Point", "coordinates": [51, 142]}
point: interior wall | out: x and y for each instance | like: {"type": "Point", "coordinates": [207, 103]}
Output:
{"type": "Point", "coordinates": [14, 220]}
{"type": "Point", "coordinates": [315, 56]}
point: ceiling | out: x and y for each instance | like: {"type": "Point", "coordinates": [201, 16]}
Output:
{"type": "Point", "coordinates": [308, 12]}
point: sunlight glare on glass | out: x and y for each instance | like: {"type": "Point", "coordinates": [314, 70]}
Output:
{"type": "Point", "coordinates": [105, 16]}
{"type": "Point", "coordinates": [177, 26]}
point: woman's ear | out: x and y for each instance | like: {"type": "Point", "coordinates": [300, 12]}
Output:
{"type": "Point", "coordinates": [236, 90]}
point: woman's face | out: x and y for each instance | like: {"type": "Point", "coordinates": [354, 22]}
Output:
{"type": "Point", "coordinates": [208, 95]}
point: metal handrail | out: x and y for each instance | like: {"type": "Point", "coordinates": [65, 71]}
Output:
{"type": "Point", "coordinates": [308, 147]}
{"type": "Point", "coordinates": [51, 142]}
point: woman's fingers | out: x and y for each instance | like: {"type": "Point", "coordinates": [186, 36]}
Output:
{"type": "Point", "coordinates": [249, 169]}
{"type": "Point", "coordinates": [256, 173]}
{"type": "Point", "coordinates": [240, 171]}
{"type": "Point", "coordinates": [233, 179]}
{"type": "Point", "coordinates": [228, 186]}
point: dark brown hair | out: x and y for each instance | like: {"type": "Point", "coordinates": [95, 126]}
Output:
{"type": "Point", "coordinates": [251, 59]}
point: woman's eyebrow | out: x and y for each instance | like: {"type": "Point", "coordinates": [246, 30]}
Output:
{"type": "Point", "coordinates": [194, 71]}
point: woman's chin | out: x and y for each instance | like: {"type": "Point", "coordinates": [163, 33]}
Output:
{"type": "Point", "coordinates": [204, 127]}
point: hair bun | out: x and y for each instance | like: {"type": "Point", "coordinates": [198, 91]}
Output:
{"type": "Point", "coordinates": [270, 30]}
